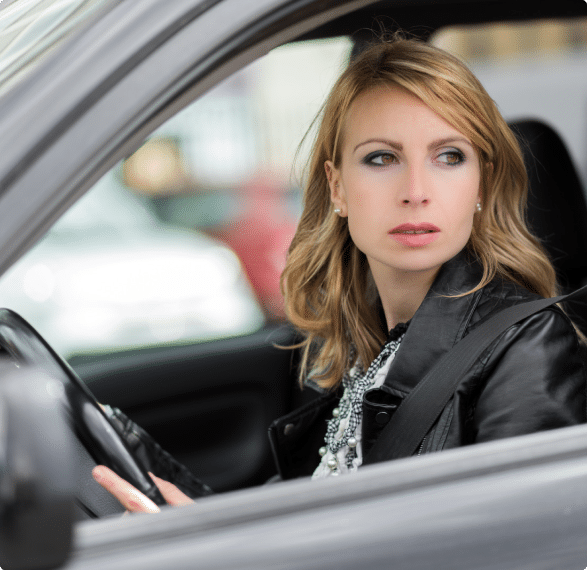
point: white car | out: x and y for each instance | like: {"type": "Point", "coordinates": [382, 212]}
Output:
{"type": "Point", "coordinates": [110, 277]}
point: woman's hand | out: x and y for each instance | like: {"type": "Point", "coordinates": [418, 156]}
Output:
{"type": "Point", "coordinates": [132, 499]}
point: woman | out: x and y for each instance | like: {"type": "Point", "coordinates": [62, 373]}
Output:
{"type": "Point", "coordinates": [412, 235]}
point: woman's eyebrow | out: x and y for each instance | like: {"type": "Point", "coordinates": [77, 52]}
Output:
{"type": "Point", "coordinates": [448, 140]}
{"type": "Point", "coordinates": [392, 144]}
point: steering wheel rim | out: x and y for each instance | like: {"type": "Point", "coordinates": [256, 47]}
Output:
{"type": "Point", "coordinates": [86, 418]}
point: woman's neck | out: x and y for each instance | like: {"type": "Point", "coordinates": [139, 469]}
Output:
{"type": "Point", "coordinates": [402, 292]}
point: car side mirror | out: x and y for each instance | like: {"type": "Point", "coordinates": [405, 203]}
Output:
{"type": "Point", "coordinates": [37, 475]}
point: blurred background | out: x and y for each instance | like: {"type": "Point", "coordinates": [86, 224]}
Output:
{"type": "Point", "coordinates": [184, 240]}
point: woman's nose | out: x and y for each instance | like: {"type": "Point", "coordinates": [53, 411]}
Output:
{"type": "Point", "coordinates": [415, 191]}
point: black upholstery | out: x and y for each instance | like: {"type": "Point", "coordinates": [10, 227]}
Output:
{"type": "Point", "coordinates": [557, 210]}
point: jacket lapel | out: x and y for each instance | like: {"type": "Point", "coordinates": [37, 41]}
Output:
{"type": "Point", "coordinates": [438, 323]}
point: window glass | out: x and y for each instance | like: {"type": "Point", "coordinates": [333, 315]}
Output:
{"type": "Point", "coordinates": [31, 29]}
{"type": "Point", "coordinates": [184, 240]}
{"type": "Point", "coordinates": [532, 70]}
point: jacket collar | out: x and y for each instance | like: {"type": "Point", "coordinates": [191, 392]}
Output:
{"type": "Point", "coordinates": [438, 323]}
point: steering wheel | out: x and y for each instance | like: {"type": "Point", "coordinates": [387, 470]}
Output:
{"type": "Point", "coordinates": [99, 442]}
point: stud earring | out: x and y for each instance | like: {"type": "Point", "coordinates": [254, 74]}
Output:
{"type": "Point", "coordinates": [479, 206]}
{"type": "Point", "coordinates": [337, 210]}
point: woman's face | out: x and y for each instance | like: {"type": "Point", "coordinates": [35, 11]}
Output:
{"type": "Point", "coordinates": [408, 182]}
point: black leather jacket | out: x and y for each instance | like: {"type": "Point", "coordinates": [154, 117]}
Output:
{"type": "Point", "coordinates": [530, 379]}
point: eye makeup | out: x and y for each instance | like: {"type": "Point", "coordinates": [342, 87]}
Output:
{"type": "Point", "coordinates": [380, 158]}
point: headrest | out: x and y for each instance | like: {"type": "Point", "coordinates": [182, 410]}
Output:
{"type": "Point", "coordinates": [557, 211]}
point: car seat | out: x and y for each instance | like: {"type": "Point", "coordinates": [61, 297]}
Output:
{"type": "Point", "coordinates": [556, 211]}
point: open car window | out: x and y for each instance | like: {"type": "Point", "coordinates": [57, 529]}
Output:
{"type": "Point", "coordinates": [184, 240]}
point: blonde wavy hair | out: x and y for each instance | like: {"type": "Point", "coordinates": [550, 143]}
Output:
{"type": "Point", "coordinates": [328, 290]}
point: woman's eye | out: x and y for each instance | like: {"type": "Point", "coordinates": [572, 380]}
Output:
{"type": "Point", "coordinates": [381, 158]}
{"type": "Point", "coordinates": [452, 157]}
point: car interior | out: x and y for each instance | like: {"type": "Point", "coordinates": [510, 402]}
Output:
{"type": "Point", "coordinates": [209, 400]}
{"type": "Point", "coordinates": [555, 186]}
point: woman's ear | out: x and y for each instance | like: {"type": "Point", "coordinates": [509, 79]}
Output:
{"type": "Point", "coordinates": [337, 196]}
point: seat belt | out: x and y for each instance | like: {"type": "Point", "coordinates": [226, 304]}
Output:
{"type": "Point", "coordinates": [416, 415]}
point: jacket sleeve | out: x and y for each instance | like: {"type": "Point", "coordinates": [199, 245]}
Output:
{"type": "Point", "coordinates": [155, 459]}
{"type": "Point", "coordinates": [534, 379]}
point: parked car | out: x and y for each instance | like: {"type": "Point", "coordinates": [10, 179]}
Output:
{"type": "Point", "coordinates": [109, 277]}
{"type": "Point", "coordinates": [83, 84]}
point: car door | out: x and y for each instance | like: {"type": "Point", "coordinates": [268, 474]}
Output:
{"type": "Point", "coordinates": [507, 504]}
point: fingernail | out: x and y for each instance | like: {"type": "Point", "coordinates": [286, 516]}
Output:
{"type": "Point", "coordinates": [140, 500]}
{"type": "Point", "coordinates": [139, 506]}
{"type": "Point", "coordinates": [97, 475]}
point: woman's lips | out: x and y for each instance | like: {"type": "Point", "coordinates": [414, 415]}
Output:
{"type": "Point", "coordinates": [415, 235]}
